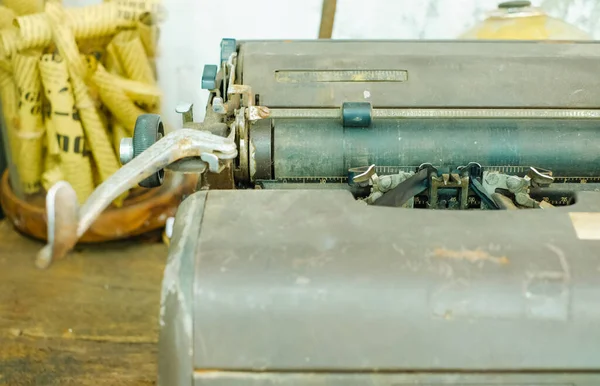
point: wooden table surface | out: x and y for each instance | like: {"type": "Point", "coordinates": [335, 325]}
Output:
{"type": "Point", "coordinates": [90, 319]}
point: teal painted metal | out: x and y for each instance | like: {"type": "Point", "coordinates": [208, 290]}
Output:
{"type": "Point", "coordinates": [325, 148]}
{"type": "Point", "coordinates": [357, 114]}
{"type": "Point", "coordinates": [209, 77]}
{"type": "Point", "coordinates": [228, 47]}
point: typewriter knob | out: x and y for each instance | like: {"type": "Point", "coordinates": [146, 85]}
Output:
{"type": "Point", "coordinates": [148, 130]}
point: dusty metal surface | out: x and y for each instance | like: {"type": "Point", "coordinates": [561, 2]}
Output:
{"type": "Point", "coordinates": [324, 148]}
{"type": "Point", "coordinates": [321, 303]}
{"type": "Point", "coordinates": [442, 74]}
{"type": "Point", "coordinates": [281, 285]}
{"type": "Point", "coordinates": [240, 127]}
{"type": "Point", "coordinates": [552, 114]}
{"type": "Point", "coordinates": [261, 150]}
{"type": "Point", "coordinates": [258, 112]}
{"type": "Point", "coordinates": [187, 113]}
{"type": "Point", "coordinates": [309, 278]}
{"type": "Point", "coordinates": [176, 341]}
{"type": "Point", "coordinates": [225, 179]}
{"type": "Point", "coordinates": [328, 76]}
{"type": "Point", "coordinates": [325, 271]}
{"type": "Point", "coordinates": [240, 378]}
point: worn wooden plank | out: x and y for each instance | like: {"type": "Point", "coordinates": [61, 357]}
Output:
{"type": "Point", "coordinates": [91, 318]}
{"type": "Point", "coordinates": [34, 361]}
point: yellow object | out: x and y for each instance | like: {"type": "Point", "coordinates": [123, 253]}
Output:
{"type": "Point", "coordinates": [52, 152]}
{"type": "Point", "coordinates": [148, 36]}
{"type": "Point", "coordinates": [50, 162]}
{"type": "Point", "coordinates": [93, 124]}
{"type": "Point", "coordinates": [91, 65]}
{"type": "Point", "coordinates": [74, 159]}
{"type": "Point", "coordinates": [10, 110]}
{"type": "Point", "coordinates": [30, 129]}
{"type": "Point", "coordinates": [24, 7]}
{"type": "Point", "coordinates": [146, 95]}
{"type": "Point", "coordinates": [113, 65]}
{"type": "Point", "coordinates": [60, 131]}
{"type": "Point", "coordinates": [133, 10]}
{"type": "Point", "coordinates": [116, 100]}
{"type": "Point", "coordinates": [94, 45]}
{"type": "Point", "coordinates": [52, 148]}
{"type": "Point", "coordinates": [85, 23]}
{"type": "Point", "coordinates": [9, 42]}
{"type": "Point", "coordinates": [518, 20]}
{"type": "Point", "coordinates": [132, 56]}
{"type": "Point", "coordinates": [7, 16]}
{"type": "Point", "coordinates": [6, 66]}
{"type": "Point", "coordinates": [52, 175]}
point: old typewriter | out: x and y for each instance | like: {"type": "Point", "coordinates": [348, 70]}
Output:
{"type": "Point", "coordinates": [379, 213]}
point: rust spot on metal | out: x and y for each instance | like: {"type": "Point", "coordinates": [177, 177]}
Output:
{"type": "Point", "coordinates": [185, 142]}
{"type": "Point", "coordinates": [207, 371]}
{"type": "Point", "coordinates": [258, 112]}
{"type": "Point", "coordinates": [472, 256]}
{"type": "Point", "coordinates": [263, 111]}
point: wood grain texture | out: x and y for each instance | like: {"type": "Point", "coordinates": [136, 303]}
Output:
{"type": "Point", "coordinates": [90, 319]}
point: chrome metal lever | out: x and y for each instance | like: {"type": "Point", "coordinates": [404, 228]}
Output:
{"type": "Point", "coordinates": [74, 222]}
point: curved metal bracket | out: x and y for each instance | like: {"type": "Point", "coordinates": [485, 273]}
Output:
{"type": "Point", "coordinates": [179, 144]}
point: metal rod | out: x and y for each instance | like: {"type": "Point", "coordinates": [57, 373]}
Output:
{"type": "Point", "coordinates": [435, 113]}
{"type": "Point", "coordinates": [327, 19]}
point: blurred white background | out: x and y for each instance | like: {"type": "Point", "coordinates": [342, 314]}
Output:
{"type": "Point", "coordinates": [192, 31]}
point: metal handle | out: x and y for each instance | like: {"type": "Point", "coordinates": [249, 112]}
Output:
{"type": "Point", "coordinates": [179, 144]}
